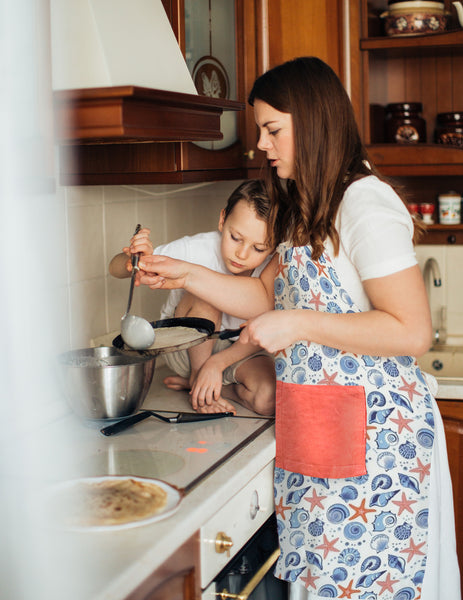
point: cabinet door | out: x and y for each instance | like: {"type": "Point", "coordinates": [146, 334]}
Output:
{"type": "Point", "coordinates": [452, 415]}
{"type": "Point", "coordinates": [176, 579]}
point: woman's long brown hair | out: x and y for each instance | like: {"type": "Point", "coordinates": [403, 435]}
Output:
{"type": "Point", "coordinates": [329, 154]}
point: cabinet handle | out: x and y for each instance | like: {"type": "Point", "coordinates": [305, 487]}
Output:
{"type": "Point", "coordinates": [223, 543]}
{"type": "Point", "coordinates": [253, 582]}
{"type": "Point", "coordinates": [452, 239]}
{"type": "Point", "coordinates": [250, 154]}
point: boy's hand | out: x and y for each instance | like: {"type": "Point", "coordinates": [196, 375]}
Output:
{"type": "Point", "coordinates": [140, 244]}
{"type": "Point", "coordinates": [207, 385]}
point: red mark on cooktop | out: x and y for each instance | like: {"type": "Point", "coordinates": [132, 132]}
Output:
{"type": "Point", "coordinates": [197, 450]}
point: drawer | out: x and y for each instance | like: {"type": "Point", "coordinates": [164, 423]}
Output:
{"type": "Point", "coordinates": [230, 528]}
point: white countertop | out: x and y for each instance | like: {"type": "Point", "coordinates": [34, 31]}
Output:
{"type": "Point", "coordinates": [108, 565]}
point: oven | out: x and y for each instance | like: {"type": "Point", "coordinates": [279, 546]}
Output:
{"type": "Point", "coordinates": [239, 546]}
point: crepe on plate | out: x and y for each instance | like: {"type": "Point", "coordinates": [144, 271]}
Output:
{"type": "Point", "coordinates": [109, 502]}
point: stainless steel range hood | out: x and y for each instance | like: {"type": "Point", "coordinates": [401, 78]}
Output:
{"type": "Point", "coordinates": [119, 76]}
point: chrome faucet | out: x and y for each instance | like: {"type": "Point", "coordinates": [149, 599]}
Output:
{"type": "Point", "coordinates": [431, 267]}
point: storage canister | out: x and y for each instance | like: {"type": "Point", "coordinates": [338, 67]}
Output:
{"type": "Point", "coordinates": [404, 125]}
{"type": "Point", "coordinates": [450, 208]}
{"type": "Point", "coordinates": [449, 129]}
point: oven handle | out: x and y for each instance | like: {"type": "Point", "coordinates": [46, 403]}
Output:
{"type": "Point", "coordinates": [253, 582]}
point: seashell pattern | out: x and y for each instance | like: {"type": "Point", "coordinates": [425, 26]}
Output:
{"type": "Point", "coordinates": [349, 492]}
{"type": "Point", "coordinates": [384, 520]}
{"type": "Point", "coordinates": [386, 438]}
{"type": "Point", "coordinates": [328, 591]}
{"type": "Point", "coordinates": [339, 574]}
{"type": "Point", "coordinates": [354, 531]}
{"type": "Point", "coordinates": [382, 481]}
{"type": "Point", "coordinates": [371, 563]}
{"type": "Point", "coordinates": [337, 513]}
{"type": "Point", "coordinates": [358, 527]}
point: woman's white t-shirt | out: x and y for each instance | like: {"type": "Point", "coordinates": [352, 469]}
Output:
{"type": "Point", "coordinates": [376, 232]}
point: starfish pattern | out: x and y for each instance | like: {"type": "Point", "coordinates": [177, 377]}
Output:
{"type": "Point", "coordinates": [402, 422]}
{"type": "Point", "coordinates": [327, 546]}
{"type": "Point", "coordinates": [282, 352]}
{"type": "Point", "coordinates": [317, 300]}
{"type": "Point", "coordinates": [348, 591]}
{"type": "Point", "coordinates": [315, 500]}
{"type": "Point", "coordinates": [368, 429]}
{"type": "Point", "coordinates": [281, 269]}
{"type": "Point", "coordinates": [361, 511]}
{"type": "Point", "coordinates": [422, 469]}
{"type": "Point", "coordinates": [387, 584]}
{"type": "Point", "coordinates": [329, 379]}
{"type": "Point", "coordinates": [413, 550]}
{"type": "Point", "coordinates": [321, 269]}
{"type": "Point", "coordinates": [409, 388]}
{"type": "Point", "coordinates": [280, 508]}
{"type": "Point", "coordinates": [298, 258]}
{"type": "Point", "coordinates": [404, 504]}
{"type": "Point", "coordinates": [309, 579]}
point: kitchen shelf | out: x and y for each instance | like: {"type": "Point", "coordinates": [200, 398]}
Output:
{"type": "Point", "coordinates": [443, 234]}
{"type": "Point", "coordinates": [126, 114]}
{"type": "Point", "coordinates": [417, 159]}
{"type": "Point", "coordinates": [415, 45]}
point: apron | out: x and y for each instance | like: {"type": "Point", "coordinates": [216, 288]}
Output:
{"type": "Point", "coordinates": [354, 438]}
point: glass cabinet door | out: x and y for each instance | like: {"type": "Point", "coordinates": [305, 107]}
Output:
{"type": "Point", "coordinates": [210, 53]}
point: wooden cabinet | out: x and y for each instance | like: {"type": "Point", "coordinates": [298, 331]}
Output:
{"type": "Point", "coordinates": [452, 415]}
{"type": "Point", "coordinates": [176, 579]}
{"type": "Point", "coordinates": [265, 33]}
{"type": "Point", "coordinates": [422, 68]}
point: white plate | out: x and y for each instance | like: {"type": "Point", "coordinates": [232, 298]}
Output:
{"type": "Point", "coordinates": [174, 496]}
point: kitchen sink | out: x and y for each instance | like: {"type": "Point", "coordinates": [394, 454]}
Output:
{"type": "Point", "coordinates": [443, 362]}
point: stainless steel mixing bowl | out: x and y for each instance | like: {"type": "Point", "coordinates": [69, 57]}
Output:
{"type": "Point", "coordinates": [105, 383]}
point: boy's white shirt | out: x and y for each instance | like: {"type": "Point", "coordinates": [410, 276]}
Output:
{"type": "Point", "coordinates": [201, 249]}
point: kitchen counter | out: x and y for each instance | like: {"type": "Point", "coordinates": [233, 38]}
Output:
{"type": "Point", "coordinates": [450, 388]}
{"type": "Point", "coordinates": [108, 565]}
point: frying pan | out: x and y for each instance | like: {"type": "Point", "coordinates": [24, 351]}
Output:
{"type": "Point", "coordinates": [203, 326]}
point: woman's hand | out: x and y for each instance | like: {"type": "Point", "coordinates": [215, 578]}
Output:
{"type": "Point", "coordinates": [273, 330]}
{"type": "Point", "coordinates": [163, 272]}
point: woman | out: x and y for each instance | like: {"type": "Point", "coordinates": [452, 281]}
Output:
{"type": "Point", "coordinates": [362, 489]}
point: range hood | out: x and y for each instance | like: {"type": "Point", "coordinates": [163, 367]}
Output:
{"type": "Point", "coordinates": [119, 76]}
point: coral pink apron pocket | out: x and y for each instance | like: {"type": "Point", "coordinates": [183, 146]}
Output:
{"type": "Point", "coordinates": [321, 429]}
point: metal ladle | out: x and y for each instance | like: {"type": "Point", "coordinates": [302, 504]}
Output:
{"type": "Point", "coordinates": [136, 332]}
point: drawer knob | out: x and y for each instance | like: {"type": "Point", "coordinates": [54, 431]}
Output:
{"type": "Point", "coordinates": [223, 543]}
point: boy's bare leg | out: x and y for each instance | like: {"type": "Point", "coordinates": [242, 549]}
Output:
{"type": "Point", "coordinates": [191, 306]}
{"type": "Point", "coordinates": [256, 387]}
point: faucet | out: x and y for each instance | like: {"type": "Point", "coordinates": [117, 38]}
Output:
{"type": "Point", "coordinates": [431, 267]}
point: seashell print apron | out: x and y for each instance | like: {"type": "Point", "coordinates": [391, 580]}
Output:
{"type": "Point", "coordinates": [354, 439]}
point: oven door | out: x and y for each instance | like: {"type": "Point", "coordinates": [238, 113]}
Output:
{"type": "Point", "coordinates": [249, 576]}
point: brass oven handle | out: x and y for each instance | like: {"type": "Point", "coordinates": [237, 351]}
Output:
{"type": "Point", "coordinates": [253, 582]}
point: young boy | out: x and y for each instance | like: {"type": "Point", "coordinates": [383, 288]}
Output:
{"type": "Point", "coordinates": [218, 371]}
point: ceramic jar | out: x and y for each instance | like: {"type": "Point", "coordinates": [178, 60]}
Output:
{"type": "Point", "coordinates": [404, 125]}
{"type": "Point", "coordinates": [449, 129]}
{"type": "Point", "coordinates": [450, 208]}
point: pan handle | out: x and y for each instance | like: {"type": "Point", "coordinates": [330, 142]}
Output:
{"type": "Point", "coordinates": [225, 334]}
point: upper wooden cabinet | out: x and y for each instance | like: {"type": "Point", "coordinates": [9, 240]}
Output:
{"type": "Point", "coordinates": [259, 34]}
{"type": "Point", "coordinates": [417, 68]}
